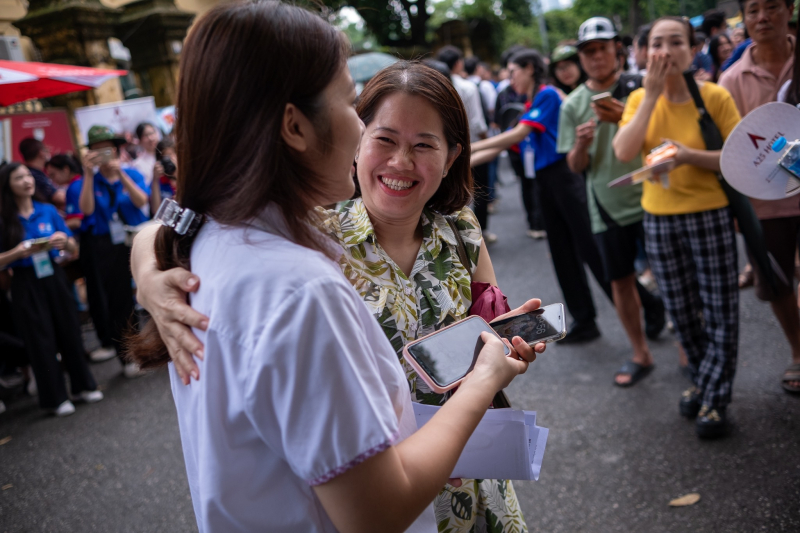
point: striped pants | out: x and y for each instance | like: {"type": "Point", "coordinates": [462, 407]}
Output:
{"type": "Point", "coordinates": [694, 261]}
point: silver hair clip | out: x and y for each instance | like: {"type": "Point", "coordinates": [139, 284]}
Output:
{"type": "Point", "coordinates": [183, 221]}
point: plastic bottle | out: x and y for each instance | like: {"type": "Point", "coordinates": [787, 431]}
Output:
{"type": "Point", "coordinates": [790, 158]}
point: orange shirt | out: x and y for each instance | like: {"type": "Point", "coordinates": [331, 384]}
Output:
{"type": "Point", "coordinates": [752, 86]}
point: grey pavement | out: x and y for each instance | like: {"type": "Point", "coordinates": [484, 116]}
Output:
{"type": "Point", "coordinates": [615, 457]}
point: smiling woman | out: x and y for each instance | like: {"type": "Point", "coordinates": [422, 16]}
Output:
{"type": "Point", "coordinates": [298, 377]}
{"type": "Point", "coordinates": [401, 256]}
{"type": "Point", "coordinates": [415, 138]}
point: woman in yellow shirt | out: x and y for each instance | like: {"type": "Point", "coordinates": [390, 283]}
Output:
{"type": "Point", "coordinates": [689, 233]}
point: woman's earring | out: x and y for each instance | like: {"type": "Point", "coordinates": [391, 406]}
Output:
{"type": "Point", "coordinates": [445, 174]}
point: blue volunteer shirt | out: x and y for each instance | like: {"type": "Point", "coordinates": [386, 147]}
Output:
{"type": "Point", "coordinates": [97, 222]}
{"type": "Point", "coordinates": [43, 222]}
{"type": "Point", "coordinates": [542, 116]}
{"type": "Point", "coordinates": [166, 188]}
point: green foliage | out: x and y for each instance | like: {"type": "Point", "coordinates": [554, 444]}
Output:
{"type": "Point", "coordinates": [607, 8]}
{"type": "Point", "coordinates": [561, 25]}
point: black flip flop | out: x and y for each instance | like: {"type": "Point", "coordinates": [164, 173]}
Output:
{"type": "Point", "coordinates": [636, 371]}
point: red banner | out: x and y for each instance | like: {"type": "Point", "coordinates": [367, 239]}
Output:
{"type": "Point", "coordinates": [52, 127]}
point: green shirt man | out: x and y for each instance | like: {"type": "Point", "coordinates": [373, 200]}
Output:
{"type": "Point", "coordinates": [621, 204]}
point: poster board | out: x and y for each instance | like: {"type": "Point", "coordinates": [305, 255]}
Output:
{"type": "Point", "coordinates": [52, 127]}
{"type": "Point", "coordinates": [122, 117]}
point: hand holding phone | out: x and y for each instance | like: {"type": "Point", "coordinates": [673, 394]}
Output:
{"type": "Point", "coordinates": [443, 358]}
{"type": "Point", "coordinates": [601, 96]}
{"type": "Point", "coordinates": [547, 324]}
{"type": "Point", "coordinates": [607, 108]}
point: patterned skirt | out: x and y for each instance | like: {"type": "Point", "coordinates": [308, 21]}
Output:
{"type": "Point", "coordinates": [479, 506]}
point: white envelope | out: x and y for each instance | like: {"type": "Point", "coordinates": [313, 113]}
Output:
{"type": "Point", "coordinates": [507, 444]}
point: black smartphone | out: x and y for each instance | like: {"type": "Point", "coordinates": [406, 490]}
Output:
{"type": "Point", "coordinates": [444, 357]}
{"type": "Point", "coordinates": [546, 324]}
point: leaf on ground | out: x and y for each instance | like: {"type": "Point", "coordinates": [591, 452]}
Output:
{"type": "Point", "coordinates": [6, 487]}
{"type": "Point", "coordinates": [5, 440]}
{"type": "Point", "coordinates": [683, 501]}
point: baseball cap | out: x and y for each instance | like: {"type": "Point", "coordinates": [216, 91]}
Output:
{"type": "Point", "coordinates": [565, 51]}
{"type": "Point", "coordinates": [596, 29]}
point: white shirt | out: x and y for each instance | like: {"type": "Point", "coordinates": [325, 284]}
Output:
{"type": "Point", "coordinates": [472, 102]}
{"type": "Point", "coordinates": [784, 91]}
{"type": "Point", "coordinates": [488, 92]}
{"type": "Point", "coordinates": [144, 163]}
{"type": "Point", "coordinates": [298, 383]}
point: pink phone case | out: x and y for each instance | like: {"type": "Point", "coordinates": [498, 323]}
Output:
{"type": "Point", "coordinates": [424, 375]}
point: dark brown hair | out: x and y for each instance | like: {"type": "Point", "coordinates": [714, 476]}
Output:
{"type": "Point", "coordinates": [11, 230]}
{"type": "Point", "coordinates": [242, 63]}
{"type": "Point", "coordinates": [418, 79]}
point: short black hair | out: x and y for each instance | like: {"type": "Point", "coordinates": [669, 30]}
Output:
{"type": "Point", "coordinates": [140, 129]}
{"type": "Point", "coordinates": [62, 161]}
{"type": "Point", "coordinates": [449, 55]}
{"type": "Point", "coordinates": [505, 56]}
{"type": "Point", "coordinates": [643, 35]}
{"type": "Point", "coordinates": [712, 19]}
{"type": "Point", "coordinates": [438, 66]}
{"type": "Point", "coordinates": [699, 38]}
{"type": "Point", "coordinates": [164, 144]}
{"type": "Point", "coordinates": [30, 148]}
{"type": "Point", "coordinates": [470, 64]}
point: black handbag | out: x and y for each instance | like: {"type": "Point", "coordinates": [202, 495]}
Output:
{"type": "Point", "coordinates": [741, 208]}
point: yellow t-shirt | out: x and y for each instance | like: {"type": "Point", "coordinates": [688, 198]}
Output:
{"type": "Point", "coordinates": [691, 189]}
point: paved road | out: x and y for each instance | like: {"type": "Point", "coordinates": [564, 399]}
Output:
{"type": "Point", "coordinates": [615, 457]}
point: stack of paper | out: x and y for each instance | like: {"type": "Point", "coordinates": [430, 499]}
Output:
{"type": "Point", "coordinates": [507, 444]}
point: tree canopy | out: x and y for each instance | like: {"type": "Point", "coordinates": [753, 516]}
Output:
{"type": "Point", "coordinates": [412, 23]}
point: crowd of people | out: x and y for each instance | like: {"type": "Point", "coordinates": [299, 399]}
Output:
{"type": "Point", "coordinates": [297, 314]}
{"type": "Point", "coordinates": [65, 247]}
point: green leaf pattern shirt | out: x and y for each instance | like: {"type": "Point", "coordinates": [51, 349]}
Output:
{"type": "Point", "coordinates": [436, 294]}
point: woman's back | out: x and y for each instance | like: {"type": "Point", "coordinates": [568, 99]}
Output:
{"type": "Point", "coordinates": [299, 383]}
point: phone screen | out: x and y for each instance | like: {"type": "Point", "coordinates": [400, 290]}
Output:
{"type": "Point", "coordinates": [449, 355]}
{"type": "Point", "coordinates": [546, 323]}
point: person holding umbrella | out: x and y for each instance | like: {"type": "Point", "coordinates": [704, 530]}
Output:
{"type": "Point", "coordinates": [107, 199]}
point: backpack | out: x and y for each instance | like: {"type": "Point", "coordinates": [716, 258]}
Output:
{"type": "Point", "coordinates": [626, 85]}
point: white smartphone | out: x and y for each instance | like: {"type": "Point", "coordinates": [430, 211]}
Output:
{"type": "Point", "coordinates": [443, 358]}
{"type": "Point", "coordinates": [546, 324]}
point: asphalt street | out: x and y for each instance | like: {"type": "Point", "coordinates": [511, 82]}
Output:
{"type": "Point", "coordinates": [615, 457]}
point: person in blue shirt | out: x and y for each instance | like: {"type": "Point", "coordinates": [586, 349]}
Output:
{"type": "Point", "coordinates": [108, 199]}
{"type": "Point", "coordinates": [32, 236]}
{"type": "Point", "coordinates": [563, 193]}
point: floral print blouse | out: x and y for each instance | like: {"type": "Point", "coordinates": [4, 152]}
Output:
{"type": "Point", "coordinates": [436, 294]}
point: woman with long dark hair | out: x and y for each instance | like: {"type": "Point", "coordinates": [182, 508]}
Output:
{"type": "Point", "coordinates": [45, 313]}
{"type": "Point", "coordinates": [720, 49]}
{"type": "Point", "coordinates": [298, 377]}
{"type": "Point", "coordinates": [412, 175]}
